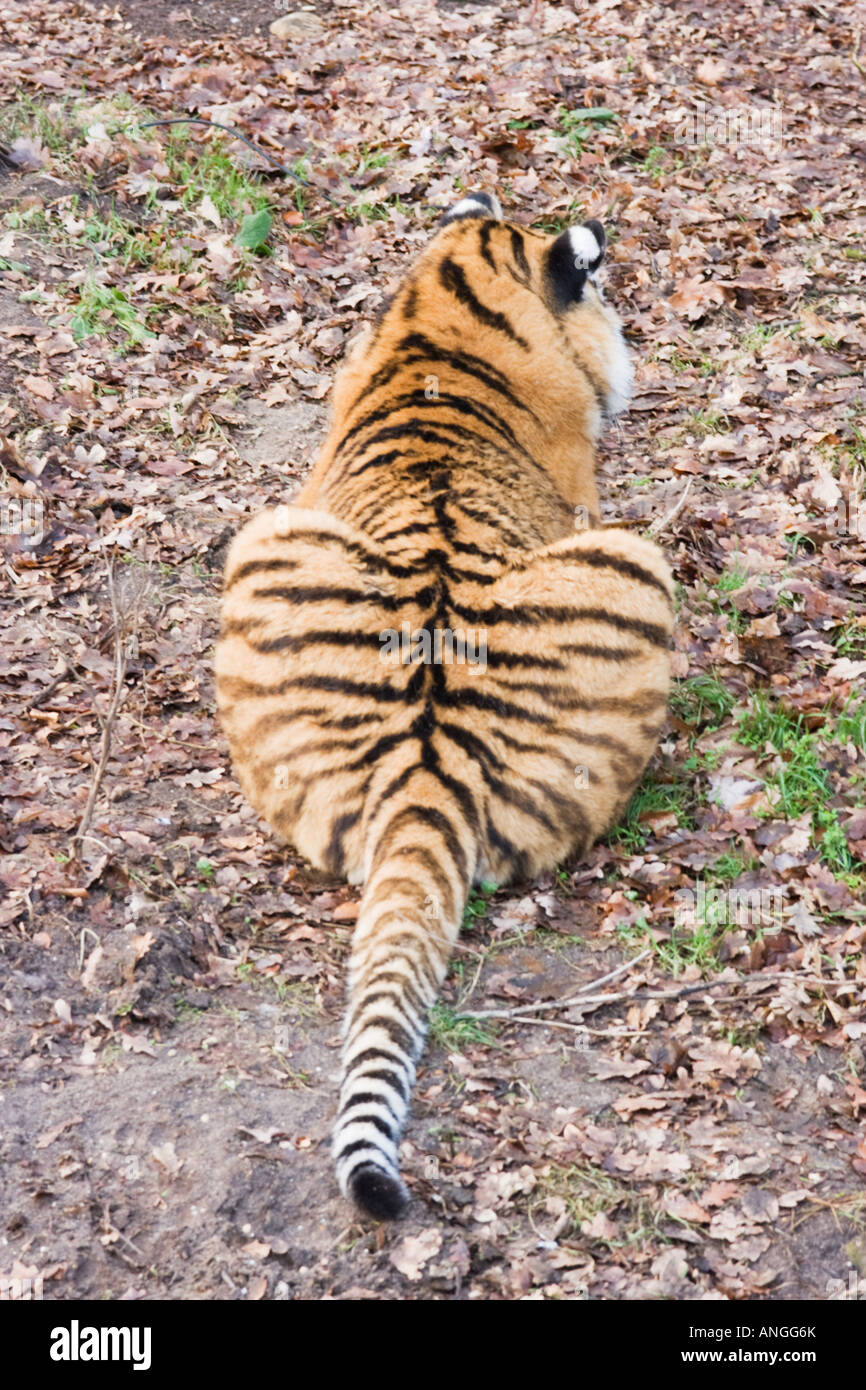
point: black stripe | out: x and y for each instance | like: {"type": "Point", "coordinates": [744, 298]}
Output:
{"type": "Point", "coordinates": [416, 400]}
{"type": "Point", "coordinates": [504, 533]}
{"type": "Point", "coordinates": [345, 1151]}
{"type": "Point", "coordinates": [473, 746]}
{"type": "Point", "coordinates": [315, 637]}
{"type": "Point", "coordinates": [408, 984]}
{"type": "Point", "coordinates": [404, 994]}
{"type": "Point", "coordinates": [339, 685]}
{"type": "Point", "coordinates": [323, 593]}
{"type": "Point", "coordinates": [404, 945]}
{"type": "Point", "coordinates": [531, 613]}
{"type": "Point", "coordinates": [376, 1054]}
{"type": "Point", "coordinates": [601, 559]}
{"type": "Point", "coordinates": [537, 749]}
{"type": "Point", "coordinates": [431, 865]}
{"type": "Point", "coordinates": [357, 1021]}
{"type": "Point", "coordinates": [517, 661]}
{"type": "Point", "coordinates": [607, 741]}
{"type": "Point", "coordinates": [391, 1078]}
{"type": "Point", "coordinates": [478, 699]}
{"type": "Point", "coordinates": [430, 816]}
{"type": "Point", "coordinates": [258, 567]}
{"type": "Point", "coordinates": [423, 349]}
{"type": "Point", "coordinates": [400, 1036]}
{"type": "Point", "coordinates": [415, 528]}
{"type": "Point", "coordinates": [334, 856]}
{"type": "Point", "coordinates": [519, 255]}
{"type": "Point", "coordinates": [601, 653]}
{"type": "Point", "coordinates": [379, 461]}
{"type": "Point", "coordinates": [278, 719]}
{"type": "Point", "coordinates": [518, 860]}
{"type": "Point", "coordinates": [414, 429]}
{"type": "Point", "coordinates": [453, 279]}
{"type": "Point", "coordinates": [375, 1120]}
{"type": "Point", "coordinates": [484, 235]}
{"type": "Point", "coordinates": [367, 1098]}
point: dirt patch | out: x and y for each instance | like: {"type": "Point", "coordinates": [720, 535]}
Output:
{"type": "Point", "coordinates": [201, 18]}
{"type": "Point", "coordinates": [167, 1136]}
{"type": "Point", "coordinates": [283, 437]}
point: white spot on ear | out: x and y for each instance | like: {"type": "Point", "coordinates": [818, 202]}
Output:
{"type": "Point", "coordinates": [587, 252]}
{"type": "Point", "coordinates": [474, 207]}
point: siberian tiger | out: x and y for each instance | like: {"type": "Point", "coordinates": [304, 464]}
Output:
{"type": "Point", "coordinates": [435, 666]}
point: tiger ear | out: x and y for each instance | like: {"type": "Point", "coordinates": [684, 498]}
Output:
{"type": "Point", "coordinates": [572, 257]}
{"type": "Point", "coordinates": [474, 205]}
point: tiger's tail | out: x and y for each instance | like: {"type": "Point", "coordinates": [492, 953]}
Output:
{"type": "Point", "coordinates": [409, 919]}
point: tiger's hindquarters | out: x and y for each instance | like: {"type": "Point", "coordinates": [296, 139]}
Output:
{"type": "Point", "coordinates": [409, 919]}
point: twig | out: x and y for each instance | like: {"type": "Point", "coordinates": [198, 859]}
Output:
{"type": "Point", "coordinates": [231, 130]}
{"type": "Point", "coordinates": [538, 1022]}
{"type": "Point", "coordinates": [612, 974]}
{"type": "Point", "coordinates": [580, 997]}
{"type": "Point", "coordinates": [70, 673]}
{"type": "Point", "coordinates": [72, 667]}
{"type": "Point", "coordinates": [598, 1000]}
{"type": "Point", "coordinates": [117, 698]}
{"type": "Point", "coordinates": [658, 526]}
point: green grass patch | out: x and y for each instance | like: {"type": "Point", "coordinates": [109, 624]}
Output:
{"type": "Point", "coordinates": [850, 638]}
{"type": "Point", "coordinates": [729, 867]}
{"type": "Point", "coordinates": [702, 701]}
{"type": "Point", "coordinates": [588, 1192]}
{"type": "Point", "coordinates": [104, 309]}
{"type": "Point", "coordinates": [203, 168]}
{"type": "Point", "coordinates": [653, 797]}
{"type": "Point", "coordinates": [553, 225]}
{"type": "Point", "coordinates": [477, 905]}
{"type": "Point", "coordinates": [579, 125]}
{"type": "Point", "coordinates": [731, 579]}
{"type": "Point", "coordinates": [802, 782]}
{"type": "Point", "coordinates": [709, 422]}
{"type": "Point", "coordinates": [455, 1032]}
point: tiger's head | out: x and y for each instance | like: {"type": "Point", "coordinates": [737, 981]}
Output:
{"type": "Point", "coordinates": [521, 311]}
{"type": "Point", "coordinates": [546, 289]}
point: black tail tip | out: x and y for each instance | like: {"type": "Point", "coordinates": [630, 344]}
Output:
{"type": "Point", "coordinates": [378, 1193]}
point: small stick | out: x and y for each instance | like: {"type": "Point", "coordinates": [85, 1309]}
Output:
{"type": "Point", "coordinates": [597, 1000]}
{"type": "Point", "coordinates": [117, 698]}
{"type": "Point", "coordinates": [581, 997]}
{"type": "Point", "coordinates": [659, 526]}
{"type": "Point", "coordinates": [620, 970]}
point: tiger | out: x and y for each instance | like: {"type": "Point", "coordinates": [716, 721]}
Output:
{"type": "Point", "coordinates": [436, 666]}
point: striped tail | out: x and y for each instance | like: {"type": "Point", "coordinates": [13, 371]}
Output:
{"type": "Point", "coordinates": [408, 922]}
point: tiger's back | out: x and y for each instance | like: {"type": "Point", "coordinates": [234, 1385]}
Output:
{"type": "Point", "coordinates": [426, 674]}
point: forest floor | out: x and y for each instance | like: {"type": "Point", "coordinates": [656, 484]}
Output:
{"type": "Point", "coordinates": [171, 313]}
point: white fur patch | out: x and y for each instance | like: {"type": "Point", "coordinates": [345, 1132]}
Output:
{"type": "Point", "coordinates": [586, 249]}
{"type": "Point", "coordinates": [620, 371]}
{"type": "Point", "coordinates": [472, 206]}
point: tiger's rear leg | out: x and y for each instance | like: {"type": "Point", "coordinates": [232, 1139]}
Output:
{"type": "Point", "coordinates": [579, 637]}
